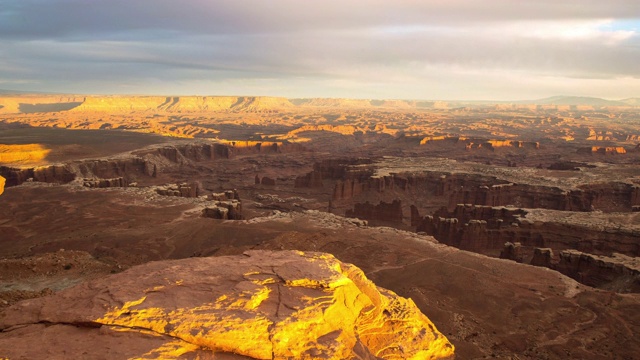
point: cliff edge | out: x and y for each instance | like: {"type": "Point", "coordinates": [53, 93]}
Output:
{"type": "Point", "coordinates": [260, 305]}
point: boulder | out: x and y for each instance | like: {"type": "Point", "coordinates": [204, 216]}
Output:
{"type": "Point", "coordinates": [260, 305]}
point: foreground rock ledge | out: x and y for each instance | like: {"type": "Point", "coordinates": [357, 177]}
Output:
{"type": "Point", "coordinates": [262, 305]}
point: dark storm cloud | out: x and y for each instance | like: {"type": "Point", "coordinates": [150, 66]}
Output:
{"type": "Point", "coordinates": [164, 46]}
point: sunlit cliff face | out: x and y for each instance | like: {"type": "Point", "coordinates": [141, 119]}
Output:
{"type": "Point", "coordinates": [300, 306]}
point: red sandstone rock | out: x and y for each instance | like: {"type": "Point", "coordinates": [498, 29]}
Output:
{"type": "Point", "coordinates": [511, 251]}
{"type": "Point", "coordinates": [386, 212]}
{"type": "Point", "coordinates": [268, 181]}
{"type": "Point", "coordinates": [105, 183]}
{"type": "Point", "coordinates": [261, 305]}
{"type": "Point", "coordinates": [181, 190]}
{"type": "Point", "coordinates": [617, 273]}
{"type": "Point", "coordinates": [542, 257]}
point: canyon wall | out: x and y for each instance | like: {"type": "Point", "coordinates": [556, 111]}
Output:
{"type": "Point", "coordinates": [156, 104]}
{"type": "Point", "coordinates": [486, 229]}
{"type": "Point", "coordinates": [384, 212]}
{"type": "Point", "coordinates": [146, 163]}
{"type": "Point", "coordinates": [334, 169]}
{"type": "Point", "coordinates": [618, 272]}
{"type": "Point", "coordinates": [453, 189]}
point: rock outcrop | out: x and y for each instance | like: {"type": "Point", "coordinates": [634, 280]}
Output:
{"type": "Point", "coordinates": [486, 229]}
{"type": "Point", "coordinates": [267, 181]}
{"type": "Point", "coordinates": [461, 188]}
{"type": "Point", "coordinates": [105, 183]}
{"type": "Point", "coordinates": [262, 147]}
{"type": "Point", "coordinates": [225, 206]}
{"type": "Point", "coordinates": [618, 272]}
{"type": "Point", "coordinates": [542, 257]}
{"type": "Point", "coordinates": [189, 152]}
{"type": "Point", "coordinates": [511, 251]}
{"type": "Point", "coordinates": [602, 150]}
{"type": "Point", "coordinates": [49, 174]}
{"type": "Point", "coordinates": [260, 305]}
{"type": "Point", "coordinates": [182, 190]}
{"type": "Point", "coordinates": [384, 212]}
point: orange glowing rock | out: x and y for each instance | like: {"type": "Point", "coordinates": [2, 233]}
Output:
{"type": "Point", "coordinates": [263, 305]}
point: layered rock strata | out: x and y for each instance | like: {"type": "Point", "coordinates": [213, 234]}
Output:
{"type": "Point", "coordinates": [225, 206]}
{"type": "Point", "coordinates": [486, 229]}
{"type": "Point", "coordinates": [384, 212]}
{"type": "Point", "coordinates": [105, 183]}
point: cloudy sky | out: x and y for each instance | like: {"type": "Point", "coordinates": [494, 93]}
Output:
{"type": "Point", "coordinates": [427, 49]}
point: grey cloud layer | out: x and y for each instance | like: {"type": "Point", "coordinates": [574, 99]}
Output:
{"type": "Point", "coordinates": [50, 18]}
{"type": "Point", "coordinates": [93, 45]}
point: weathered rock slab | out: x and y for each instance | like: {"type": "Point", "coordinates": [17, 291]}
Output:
{"type": "Point", "coordinates": [262, 305]}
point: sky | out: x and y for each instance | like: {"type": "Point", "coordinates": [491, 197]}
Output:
{"type": "Point", "coordinates": [372, 49]}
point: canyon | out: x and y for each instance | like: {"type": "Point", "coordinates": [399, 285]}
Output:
{"type": "Point", "coordinates": [513, 228]}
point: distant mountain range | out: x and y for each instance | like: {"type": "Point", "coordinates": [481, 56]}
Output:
{"type": "Point", "coordinates": [582, 100]}
{"type": "Point", "coordinates": [553, 100]}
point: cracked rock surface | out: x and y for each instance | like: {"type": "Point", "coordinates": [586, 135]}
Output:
{"type": "Point", "coordinates": [260, 305]}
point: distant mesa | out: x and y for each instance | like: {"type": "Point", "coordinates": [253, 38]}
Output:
{"type": "Point", "coordinates": [41, 103]}
{"type": "Point", "coordinates": [182, 103]}
{"type": "Point", "coordinates": [631, 101]}
{"type": "Point", "coordinates": [259, 305]}
{"type": "Point", "coordinates": [33, 104]}
{"type": "Point", "coordinates": [578, 100]}
{"type": "Point", "coordinates": [27, 104]}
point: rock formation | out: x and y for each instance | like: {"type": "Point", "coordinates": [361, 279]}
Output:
{"type": "Point", "coordinates": [542, 257]}
{"type": "Point", "coordinates": [511, 251]}
{"type": "Point", "coordinates": [262, 147]}
{"type": "Point", "coordinates": [105, 183]}
{"type": "Point", "coordinates": [260, 305]}
{"type": "Point", "coordinates": [602, 150]}
{"type": "Point", "coordinates": [267, 181]}
{"type": "Point", "coordinates": [224, 210]}
{"type": "Point", "coordinates": [180, 104]}
{"type": "Point", "coordinates": [463, 188]}
{"type": "Point", "coordinates": [223, 196]}
{"type": "Point", "coordinates": [485, 228]}
{"type": "Point", "coordinates": [618, 272]}
{"type": "Point", "coordinates": [182, 190]}
{"type": "Point", "coordinates": [226, 206]}
{"type": "Point", "coordinates": [49, 174]}
{"type": "Point", "coordinates": [189, 152]}
{"type": "Point", "coordinates": [2, 181]}
{"type": "Point", "coordinates": [386, 212]}
{"type": "Point", "coordinates": [310, 180]}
